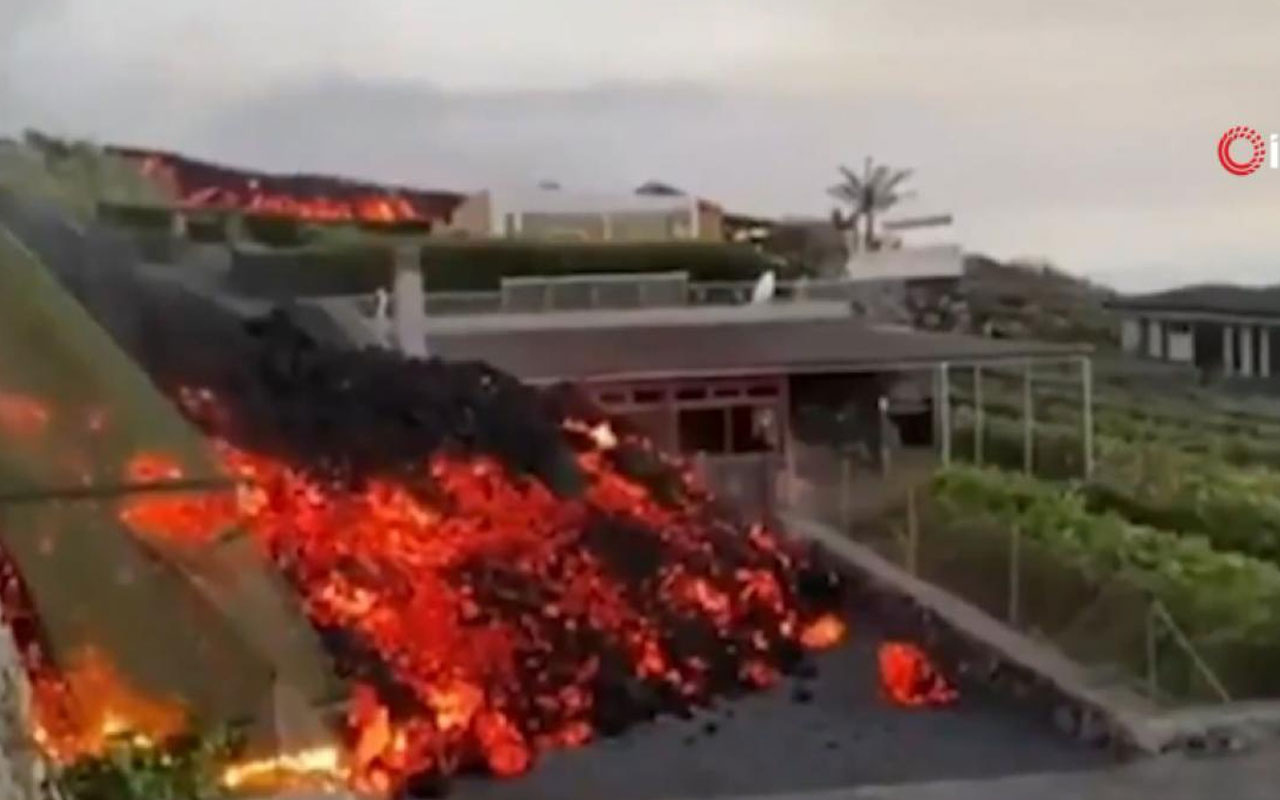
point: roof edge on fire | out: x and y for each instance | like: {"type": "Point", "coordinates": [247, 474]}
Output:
{"type": "Point", "coordinates": [1210, 298]}
{"type": "Point", "coordinates": [444, 201]}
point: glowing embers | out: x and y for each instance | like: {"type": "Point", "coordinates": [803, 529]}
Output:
{"type": "Point", "coordinates": [87, 703]}
{"type": "Point", "coordinates": [823, 633]}
{"type": "Point", "coordinates": [486, 619]}
{"type": "Point", "coordinates": [384, 208]}
{"type": "Point", "coordinates": [909, 679]}
{"type": "Point", "coordinates": [186, 517]}
{"type": "Point", "coordinates": [320, 766]}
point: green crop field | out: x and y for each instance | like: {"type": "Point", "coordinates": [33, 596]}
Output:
{"type": "Point", "coordinates": [1183, 506]}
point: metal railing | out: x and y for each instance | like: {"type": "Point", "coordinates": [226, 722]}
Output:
{"type": "Point", "coordinates": [618, 292]}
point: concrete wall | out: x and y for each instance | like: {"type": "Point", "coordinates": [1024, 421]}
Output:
{"type": "Point", "coordinates": [1181, 344]}
{"type": "Point", "coordinates": [1131, 334]}
{"type": "Point", "coordinates": [710, 223]}
{"type": "Point", "coordinates": [473, 218]}
{"type": "Point", "coordinates": [939, 261]}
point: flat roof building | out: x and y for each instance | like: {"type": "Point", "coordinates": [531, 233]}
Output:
{"type": "Point", "coordinates": [1232, 331]}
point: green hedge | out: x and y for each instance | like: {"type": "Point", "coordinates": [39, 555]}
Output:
{"type": "Point", "coordinates": [314, 271]}
{"type": "Point", "coordinates": [158, 219]}
{"type": "Point", "coordinates": [404, 227]}
{"type": "Point", "coordinates": [208, 227]}
{"type": "Point", "coordinates": [481, 265]}
{"type": "Point", "coordinates": [1227, 603]}
{"type": "Point", "coordinates": [274, 230]}
{"type": "Point", "coordinates": [1056, 451]}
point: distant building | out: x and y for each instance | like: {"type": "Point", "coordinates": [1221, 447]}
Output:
{"type": "Point", "coordinates": [560, 215]}
{"type": "Point", "coordinates": [1227, 330]}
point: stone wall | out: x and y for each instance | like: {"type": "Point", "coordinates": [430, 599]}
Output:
{"type": "Point", "coordinates": [24, 775]}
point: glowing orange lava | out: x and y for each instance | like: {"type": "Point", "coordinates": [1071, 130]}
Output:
{"type": "Point", "coordinates": [88, 703]}
{"type": "Point", "coordinates": [484, 619]}
{"type": "Point", "coordinates": [824, 632]}
{"type": "Point", "coordinates": [909, 679]}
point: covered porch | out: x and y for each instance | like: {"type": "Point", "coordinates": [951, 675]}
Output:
{"type": "Point", "coordinates": [739, 398]}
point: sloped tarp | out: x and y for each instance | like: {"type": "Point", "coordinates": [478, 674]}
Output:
{"type": "Point", "coordinates": [209, 626]}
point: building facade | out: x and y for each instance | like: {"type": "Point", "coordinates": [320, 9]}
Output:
{"type": "Point", "coordinates": [558, 215]}
{"type": "Point", "coordinates": [1224, 330]}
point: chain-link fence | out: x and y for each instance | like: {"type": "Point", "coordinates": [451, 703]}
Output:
{"type": "Point", "coordinates": [1106, 623]}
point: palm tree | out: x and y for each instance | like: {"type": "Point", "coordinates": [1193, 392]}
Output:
{"type": "Point", "coordinates": [877, 189]}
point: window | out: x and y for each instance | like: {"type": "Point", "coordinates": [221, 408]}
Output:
{"type": "Point", "coordinates": [752, 429]}
{"type": "Point", "coordinates": [702, 430]}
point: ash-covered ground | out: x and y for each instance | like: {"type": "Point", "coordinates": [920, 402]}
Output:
{"type": "Point", "coordinates": [831, 731]}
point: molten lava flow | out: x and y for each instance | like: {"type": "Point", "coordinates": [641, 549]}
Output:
{"type": "Point", "coordinates": [484, 619]}
{"type": "Point", "coordinates": [89, 703]}
{"type": "Point", "coordinates": [323, 764]}
{"type": "Point", "coordinates": [184, 517]}
{"type": "Point", "coordinates": [909, 679]}
{"type": "Point", "coordinates": [371, 208]}
{"type": "Point", "coordinates": [22, 416]}
{"type": "Point", "coordinates": [826, 631]}
{"type": "Point", "coordinates": [479, 617]}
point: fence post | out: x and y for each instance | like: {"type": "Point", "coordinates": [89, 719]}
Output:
{"type": "Point", "coordinates": [1015, 574]}
{"type": "Point", "coordinates": [944, 412]}
{"type": "Point", "coordinates": [1086, 383]}
{"type": "Point", "coordinates": [1153, 675]}
{"type": "Point", "coordinates": [882, 405]}
{"type": "Point", "coordinates": [913, 532]}
{"type": "Point", "coordinates": [1028, 422]}
{"type": "Point", "coordinates": [979, 432]}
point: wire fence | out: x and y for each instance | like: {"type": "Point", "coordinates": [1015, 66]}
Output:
{"type": "Point", "coordinates": [1108, 624]}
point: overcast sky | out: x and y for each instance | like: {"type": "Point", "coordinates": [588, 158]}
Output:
{"type": "Point", "coordinates": [1083, 132]}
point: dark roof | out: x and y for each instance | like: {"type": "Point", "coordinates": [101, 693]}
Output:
{"type": "Point", "coordinates": [1263, 301]}
{"type": "Point", "coordinates": [784, 346]}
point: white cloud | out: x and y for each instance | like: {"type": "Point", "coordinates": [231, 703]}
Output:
{"type": "Point", "coordinates": [1083, 131]}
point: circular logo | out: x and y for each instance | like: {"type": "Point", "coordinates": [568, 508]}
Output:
{"type": "Point", "coordinates": [1256, 157]}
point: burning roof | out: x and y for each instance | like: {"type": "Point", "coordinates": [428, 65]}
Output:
{"type": "Point", "coordinates": [201, 184]}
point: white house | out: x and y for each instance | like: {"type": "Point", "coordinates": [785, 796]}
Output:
{"type": "Point", "coordinates": [557, 214]}
{"type": "Point", "coordinates": [1230, 330]}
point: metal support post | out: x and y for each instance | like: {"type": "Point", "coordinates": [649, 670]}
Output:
{"type": "Point", "coordinates": [1028, 422]}
{"type": "Point", "coordinates": [1086, 416]}
{"type": "Point", "coordinates": [1015, 572]}
{"type": "Point", "coordinates": [979, 419]}
{"type": "Point", "coordinates": [944, 412]}
{"type": "Point", "coordinates": [913, 533]}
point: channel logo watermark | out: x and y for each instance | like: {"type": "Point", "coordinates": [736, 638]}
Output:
{"type": "Point", "coordinates": [1258, 152]}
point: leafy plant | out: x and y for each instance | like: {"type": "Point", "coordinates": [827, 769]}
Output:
{"type": "Point", "coordinates": [1228, 594]}
{"type": "Point", "coordinates": [187, 768]}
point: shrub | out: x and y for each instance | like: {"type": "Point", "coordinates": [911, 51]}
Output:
{"type": "Point", "coordinates": [1225, 601]}
{"type": "Point", "coordinates": [481, 265]}
{"type": "Point", "coordinates": [403, 227]}
{"type": "Point", "coordinates": [148, 218]}
{"type": "Point", "coordinates": [273, 230]}
{"type": "Point", "coordinates": [309, 271]}
{"type": "Point", "coordinates": [208, 227]}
